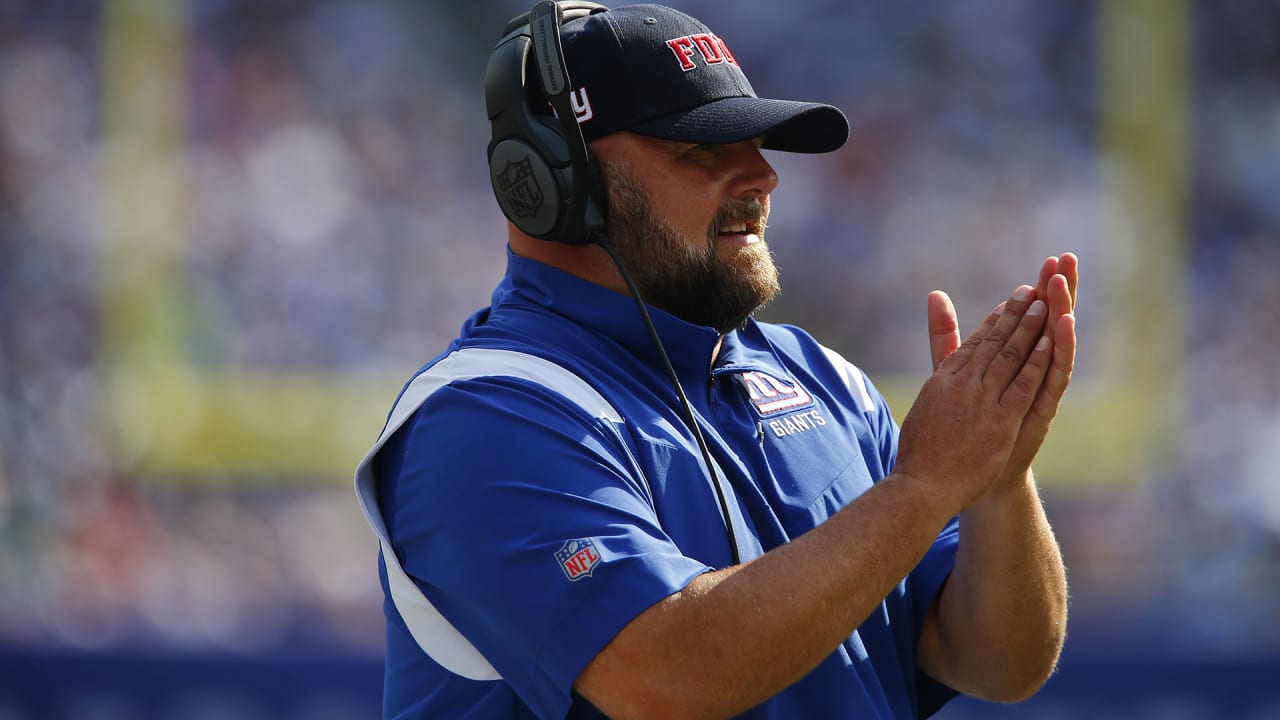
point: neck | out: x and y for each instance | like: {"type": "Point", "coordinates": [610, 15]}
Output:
{"type": "Point", "coordinates": [589, 262]}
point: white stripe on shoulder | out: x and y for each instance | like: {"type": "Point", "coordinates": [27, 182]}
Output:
{"type": "Point", "coordinates": [853, 378]}
{"type": "Point", "coordinates": [437, 637]}
{"type": "Point", "coordinates": [471, 363]}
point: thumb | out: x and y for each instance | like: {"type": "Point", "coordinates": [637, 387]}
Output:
{"type": "Point", "coordinates": [944, 329]}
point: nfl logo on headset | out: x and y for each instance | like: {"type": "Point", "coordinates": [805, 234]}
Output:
{"type": "Point", "coordinates": [578, 558]}
{"type": "Point", "coordinates": [520, 186]}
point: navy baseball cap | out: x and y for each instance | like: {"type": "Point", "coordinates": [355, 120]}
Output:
{"type": "Point", "coordinates": [655, 71]}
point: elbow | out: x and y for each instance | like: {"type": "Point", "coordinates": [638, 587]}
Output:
{"type": "Point", "coordinates": [1025, 677]}
{"type": "Point", "coordinates": [1041, 661]}
{"type": "Point", "coordinates": [1011, 687]}
{"type": "Point", "coordinates": [656, 706]}
{"type": "Point", "coordinates": [1007, 670]}
{"type": "Point", "coordinates": [1017, 690]}
{"type": "Point", "coordinates": [663, 700]}
{"type": "Point", "coordinates": [1031, 661]}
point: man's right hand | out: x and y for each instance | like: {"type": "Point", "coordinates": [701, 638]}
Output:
{"type": "Point", "coordinates": [961, 429]}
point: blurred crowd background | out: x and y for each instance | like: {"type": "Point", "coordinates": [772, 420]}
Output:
{"type": "Point", "coordinates": [229, 229]}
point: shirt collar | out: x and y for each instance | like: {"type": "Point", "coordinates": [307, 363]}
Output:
{"type": "Point", "coordinates": [749, 349]}
{"type": "Point", "coordinates": [607, 312]}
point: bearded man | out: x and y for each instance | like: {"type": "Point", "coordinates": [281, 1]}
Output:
{"type": "Point", "coordinates": [586, 509]}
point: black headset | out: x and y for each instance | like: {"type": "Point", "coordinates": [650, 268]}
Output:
{"type": "Point", "coordinates": [544, 178]}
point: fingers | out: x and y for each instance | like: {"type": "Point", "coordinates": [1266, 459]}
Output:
{"type": "Point", "coordinates": [990, 320]}
{"type": "Point", "coordinates": [1057, 283]}
{"type": "Point", "coordinates": [1058, 295]}
{"type": "Point", "coordinates": [1064, 358]}
{"type": "Point", "coordinates": [1008, 376]}
{"type": "Point", "coordinates": [1002, 344]}
{"type": "Point", "coordinates": [1069, 268]}
{"type": "Point", "coordinates": [944, 329]}
{"type": "Point", "coordinates": [1030, 372]}
{"type": "Point", "coordinates": [1060, 288]}
{"type": "Point", "coordinates": [1044, 407]}
{"type": "Point", "coordinates": [1009, 359]}
{"type": "Point", "coordinates": [980, 348]}
{"type": "Point", "coordinates": [1048, 269]}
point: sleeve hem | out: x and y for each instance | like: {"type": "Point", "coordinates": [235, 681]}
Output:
{"type": "Point", "coordinates": [593, 623]}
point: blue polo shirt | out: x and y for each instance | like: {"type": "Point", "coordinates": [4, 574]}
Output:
{"type": "Point", "coordinates": [537, 524]}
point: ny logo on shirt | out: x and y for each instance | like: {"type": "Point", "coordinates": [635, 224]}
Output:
{"type": "Point", "coordinates": [771, 396]}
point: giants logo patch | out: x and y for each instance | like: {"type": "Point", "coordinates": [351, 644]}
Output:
{"type": "Point", "coordinates": [772, 396]}
{"type": "Point", "coordinates": [578, 558]}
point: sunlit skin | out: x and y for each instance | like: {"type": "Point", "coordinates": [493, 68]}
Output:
{"type": "Point", "coordinates": [704, 192]}
{"type": "Point", "coordinates": [716, 280]}
{"type": "Point", "coordinates": [730, 640]}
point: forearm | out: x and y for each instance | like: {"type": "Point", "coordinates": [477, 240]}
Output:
{"type": "Point", "coordinates": [735, 637]}
{"type": "Point", "coordinates": [1001, 618]}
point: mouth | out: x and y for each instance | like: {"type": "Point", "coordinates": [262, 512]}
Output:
{"type": "Point", "coordinates": [744, 231]}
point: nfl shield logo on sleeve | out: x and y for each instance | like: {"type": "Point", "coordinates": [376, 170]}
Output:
{"type": "Point", "coordinates": [578, 558]}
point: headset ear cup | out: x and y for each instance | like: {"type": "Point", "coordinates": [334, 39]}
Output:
{"type": "Point", "coordinates": [528, 189]}
{"type": "Point", "coordinates": [531, 166]}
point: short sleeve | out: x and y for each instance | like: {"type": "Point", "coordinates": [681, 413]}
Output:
{"type": "Point", "coordinates": [524, 521]}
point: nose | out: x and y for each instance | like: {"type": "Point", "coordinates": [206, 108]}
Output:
{"type": "Point", "coordinates": [753, 175]}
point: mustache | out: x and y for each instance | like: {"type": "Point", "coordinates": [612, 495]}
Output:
{"type": "Point", "coordinates": [750, 211]}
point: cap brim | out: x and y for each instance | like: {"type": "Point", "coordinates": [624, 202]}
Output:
{"type": "Point", "coordinates": [786, 125]}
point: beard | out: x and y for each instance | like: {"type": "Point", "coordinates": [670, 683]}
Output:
{"type": "Point", "coordinates": [690, 280]}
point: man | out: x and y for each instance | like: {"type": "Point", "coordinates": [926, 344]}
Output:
{"type": "Point", "coordinates": [554, 543]}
